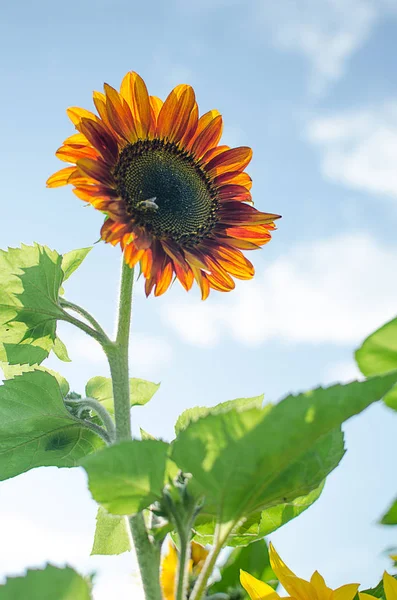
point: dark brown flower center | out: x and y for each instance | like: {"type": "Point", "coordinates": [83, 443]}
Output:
{"type": "Point", "coordinates": [166, 191]}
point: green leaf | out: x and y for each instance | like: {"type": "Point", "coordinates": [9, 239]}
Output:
{"type": "Point", "coordinates": [100, 388]}
{"type": "Point", "coordinates": [60, 350]}
{"type": "Point", "coordinates": [258, 525]}
{"type": "Point", "coordinates": [111, 535]}
{"type": "Point", "coordinates": [390, 517]}
{"type": "Point", "coordinates": [253, 558]}
{"type": "Point", "coordinates": [127, 477]}
{"type": "Point", "coordinates": [72, 260]}
{"type": "Point", "coordinates": [378, 355]}
{"type": "Point", "coordinates": [276, 516]}
{"type": "Point", "coordinates": [249, 461]}
{"type": "Point", "coordinates": [378, 591]}
{"type": "Point", "coordinates": [11, 371]}
{"type": "Point", "coordinates": [52, 582]}
{"type": "Point", "coordinates": [36, 429]}
{"type": "Point", "coordinates": [30, 280]}
{"type": "Point", "coordinates": [193, 414]}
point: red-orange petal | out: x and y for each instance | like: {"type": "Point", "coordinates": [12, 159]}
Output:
{"type": "Point", "coordinates": [210, 154]}
{"type": "Point", "coordinates": [132, 255]}
{"type": "Point", "coordinates": [134, 91]}
{"type": "Point", "coordinates": [96, 169]}
{"type": "Point", "coordinates": [237, 213]}
{"type": "Point", "coordinates": [76, 138]}
{"type": "Point", "coordinates": [235, 159]}
{"type": "Point", "coordinates": [119, 114]}
{"type": "Point", "coordinates": [191, 127]}
{"type": "Point", "coordinates": [75, 114]}
{"type": "Point", "coordinates": [164, 277]}
{"type": "Point", "coordinates": [61, 177]}
{"type": "Point", "coordinates": [254, 234]}
{"type": "Point", "coordinates": [73, 154]}
{"type": "Point", "coordinates": [234, 178]}
{"type": "Point", "coordinates": [208, 138]}
{"type": "Point", "coordinates": [155, 107]}
{"type": "Point", "coordinates": [100, 105]}
{"type": "Point", "coordinates": [181, 267]}
{"type": "Point", "coordinates": [174, 115]}
{"type": "Point", "coordinates": [101, 139]}
{"type": "Point", "coordinates": [231, 192]}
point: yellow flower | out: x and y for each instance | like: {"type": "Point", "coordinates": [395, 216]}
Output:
{"type": "Point", "coordinates": [389, 586]}
{"type": "Point", "coordinates": [299, 589]}
{"type": "Point", "coordinates": [174, 199]}
{"type": "Point", "coordinates": [169, 567]}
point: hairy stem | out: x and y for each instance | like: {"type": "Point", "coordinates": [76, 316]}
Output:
{"type": "Point", "coordinates": [148, 554]}
{"type": "Point", "coordinates": [183, 567]}
{"type": "Point", "coordinates": [220, 537]}
{"type": "Point", "coordinates": [102, 414]}
{"type": "Point", "coordinates": [84, 313]}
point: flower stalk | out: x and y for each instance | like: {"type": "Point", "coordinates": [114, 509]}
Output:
{"type": "Point", "coordinates": [148, 554]}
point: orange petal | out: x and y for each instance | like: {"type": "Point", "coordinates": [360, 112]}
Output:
{"type": "Point", "coordinates": [235, 159]}
{"type": "Point", "coordinates": [164, 277]}
{"type": "Point", "coordinates": [73, 154]}
{"type": "Point", "coordinates": [60, 177]}
{"type": "Point", "coordinates": [181, 267]}
{"type": "Point", "coordinates": [76, 138]}
{"type": "Point", "coordinates": [132, 255]}
{"type": "Point", "coordinates": [210, 154]}
{"type": "Point", "coordinates": [208, 138]}
{"type": "Point", "coordinates": [155, 107]}
{"type": "Point", "coordinates": [231, 192]}
{"type": "Point", "coordinates": [75, 114]}
{"type": "Point", "coordinates": [205, 120]}
{"type": "Point", "coordinates": [119, 114]}
{"type": "Point", "coordinates": [99, 137]}
{"type": "Point", "coordinates": [236, 213]}
{"type": "Point", "coordinates": [147, 263]}
{"type": "Point", "coordinates": [96, 169]}
{"type": "Point", "coordinates": [175, 112]}
{"type": "Point", "coordinates": [218, 275]}
{"type": "Point", "coordinates": [100, 105]}
{"type": "Point", "coordinates": [191, 126]}
{"type": "Point", "coordinates": [134, 91]}
{"type": "Point", "coordinates": [202, 282]}
{"type": "Point", "coordinates": [235, 178]}
{"type": "Point", "coordinates": [256, 234]}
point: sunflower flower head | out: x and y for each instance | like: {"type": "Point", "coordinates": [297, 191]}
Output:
{"type": "Point", "coordinates": [297, 588]}
{"type": "Point", "coordinates": [169, 568]}
{"type": "Point", "coordinates": [175, 200]}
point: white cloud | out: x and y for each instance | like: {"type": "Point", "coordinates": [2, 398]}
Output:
{"type": "Point", "coordinates": [359, 148]}
{"type": "Point", "coordinates": [331, 291]}
{"type": "Point", "coordinates": [326, 33]}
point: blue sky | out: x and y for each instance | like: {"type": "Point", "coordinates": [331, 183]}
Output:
{"type": "Point", "coordinates": [311, 88]}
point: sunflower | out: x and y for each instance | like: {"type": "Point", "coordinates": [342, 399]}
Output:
{"type": "Point", "coordinates": [176, 201]}
{"type": "Point", "coordinates": [169, 567]}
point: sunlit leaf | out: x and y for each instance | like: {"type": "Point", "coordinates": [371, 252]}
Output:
{"type": "Point", "coordinates": [193, 414]}
{"type": "Point", "coordinates": [11, 371]}
{"type": "Point", "coordinates": [378, 354]}
{"type": "Point", "coordinates": [246, 462]}
{"type": "Point", "coordinates": [30, 279]}
{"type": "Point", "coordinates": [51, 583]}
{"type": "Point", "coordinates": [72, 260]}
{"type": "Point", "coordinates": [100, 388]}
{"type": "Point", "coordinates": [127, 477]}
{"type": "Point", "coordinates": [390, 517]}
{"type": "Point", "coordinates": [36, 429]}
{"type": "Point", "coordinates": [111, 534]}
{"type": "Point", "coordinates": [60, 350]}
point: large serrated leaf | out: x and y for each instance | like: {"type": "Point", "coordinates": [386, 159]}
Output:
{"type": "Point", "coordinates": [193, 414]}
{"type": "Point", "coordinates": [128, 477]}
{"type": "Point", "coordinates": [30, 280]}
{"type": "Point", "coordinates": [36, 429]}
{"type": "Point", "coordinates": [111, 534]}
{"type": "Point", "coordinates": [48, 584]}
{"type": "Point", "coordinates": [100, 388]}
{"type": "Point", "coordinates": [249, 461]}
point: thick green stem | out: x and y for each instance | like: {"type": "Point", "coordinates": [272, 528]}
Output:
{"type": "Point", "coordinates": [102, 414]}
{"type": "Point", "coordinates": [148, 554]}
{"type": "Point", "coordinates": [220, 537]}
{"type": "Point", "coordinates": [183, 568]}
